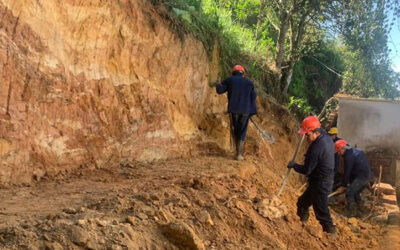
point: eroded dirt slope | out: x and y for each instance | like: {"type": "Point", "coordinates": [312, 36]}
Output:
{"type": "Point", "coordinates": [97, 83]}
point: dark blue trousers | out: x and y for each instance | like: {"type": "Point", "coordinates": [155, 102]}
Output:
{"type": "Point", "coordinates": [240, 123]}
{"type": "Point", "coordinates": [316, 195]}
{"type": "Point", "coordinates": [354, 190]}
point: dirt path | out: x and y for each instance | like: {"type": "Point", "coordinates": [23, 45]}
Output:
{"type": "Point", "coordinates": [203, 203]}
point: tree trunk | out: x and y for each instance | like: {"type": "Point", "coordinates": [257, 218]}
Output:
{"type": "Point", "coordinates": [295, 42]}
{"type": "Point", "coordinates": [287, 79]}
{"type": "Point", "coordinates": [283, 28]}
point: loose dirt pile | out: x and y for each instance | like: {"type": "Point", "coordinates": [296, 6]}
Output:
{"type": "Point", "coordinates": [200, 203]}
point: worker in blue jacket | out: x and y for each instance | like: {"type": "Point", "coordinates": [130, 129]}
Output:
{"type": "Point", "coordinates": [241, 105]}
{"type": "Point", "coordinates": [357, 175]}
{"type": "Point", "coordinates": [318, 167]}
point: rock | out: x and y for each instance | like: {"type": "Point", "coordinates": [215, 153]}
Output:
{"type": "Point", "coordinates": [353, 221]}
{"type": "Point", "coordinates": [394, 219]}
{"type": "Point", "coordinates": [92, 244]}
{"type": "Point", "coordinates": [53, 246]}
{"type": "Point", "coordinates": [79, 236]}
{"type": "Point", "coordinates": [385, 188]}
{"type": "Point", "coordinates": [69, 210]}
{"type": "Point", "coordinates": [353, 238]}
{"type": "Point", "coordinates": [315, 231]}
{"type": "Point", "coordinates": [154, 197]}
{"type": "Point", "coordinates": [131, 220]}
{"type": "Point", "coordinates": [373, 243]}
{"type": "Point", "coordinates": [381, 219]}
{"type": "Point", "coordinates": [364, 225]}
{"type": "Point", "coordinates": [51, 216]}
{"type": "Point", "coordinates": [142, 216]}
{"type": "Point", "coordinates": [81, 222]}
{"type": "Point", "coordinates": [116, 247]}
{"type": "Point", "coordinates": [346, 230]}
{"type": "Point", "coordinates": [182, 236]}
{"type": "Point", "coordinates": [271, 209]}
{"type": "Point", "coordinates": [201, 202]}
{"type": "Point", "coordinates": [205, 218]}
{"type": "Point", "coordinates": [101, 223]}
{"type": "Point", "coordinates": [241, 205]}
{"type": "Point", "coordinates": [127, 230]}
{"type": "Point", "coordinates": [145, 197]}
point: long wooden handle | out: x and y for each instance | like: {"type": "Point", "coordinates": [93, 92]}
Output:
{"type": "Point", "coordinates": [289, 169]}
{"type": "Point", "coordinates": [335, 193]}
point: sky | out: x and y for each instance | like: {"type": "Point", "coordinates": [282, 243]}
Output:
{"type": "Point", "coordinates": [394, 45]}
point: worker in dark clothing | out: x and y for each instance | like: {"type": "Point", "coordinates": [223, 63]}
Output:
{"type": "Point", "coordinates": [336, 180]}
{"type": "Point", "coordinates": [241, 105]}
{"type": "Point", "coordinates": [318, 167]}
{"type": "Point", "coordinates": [357, 175]}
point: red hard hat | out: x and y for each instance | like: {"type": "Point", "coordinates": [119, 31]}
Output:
{"type": "Point", "coordinates": [309, 124]}
{"type": "Point", "coordinates": [238, 68]}
{"type": "Point", "coordinates": [339, 144]}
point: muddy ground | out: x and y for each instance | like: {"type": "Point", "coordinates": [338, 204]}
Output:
{"type": "Point", "coordinates": [200, 203]}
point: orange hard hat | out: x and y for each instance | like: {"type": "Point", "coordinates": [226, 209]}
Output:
{"type": "Point", "coordinates": [309, 124]}
{"type": "Point", "coordinates": [238, 68]}
{"type": "Point", "coordinates": [339, 144]}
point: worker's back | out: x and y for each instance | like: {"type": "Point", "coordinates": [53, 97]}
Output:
{"type": "Point", "coordinates": [356, 164]}
{"type": "Point", "coordinates": [241, 94]}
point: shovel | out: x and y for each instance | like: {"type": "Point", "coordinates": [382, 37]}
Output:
{"type": "Point", "coordinates": [263, 133]}
{"type": "Point", "coordinates": [274, 208]}
{"type": "Point", "coordinates": [289, 169]}
{"type": "Point", "coordinates": [336, 193]}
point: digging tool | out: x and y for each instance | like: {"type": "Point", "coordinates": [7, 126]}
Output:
{"type": "Point", "coordinates": [339, 191]}
{"type": "Point", "coordinates": [275, 204]}
{"type": "Point", "coordinates": [289, 169]}
{"type": "Point", "coordinates": [263, 133]}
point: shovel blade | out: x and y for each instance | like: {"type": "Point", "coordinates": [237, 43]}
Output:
{"type": "Point", "coordinates": [268, 137]}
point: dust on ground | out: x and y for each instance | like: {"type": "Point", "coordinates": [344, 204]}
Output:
{"type": "Point", "coordinates": [199, 203]}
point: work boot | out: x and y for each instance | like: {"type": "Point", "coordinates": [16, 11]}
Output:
{"type": "Point", "coordinates": [351, 210]}
{"type": "Point", "coordinates": [331, 230]}
{"type": "Point", "coordinates": [239, 156]}
{"type": "Point", "coordinates": [303, 217]}
{"type": "Point", "coordinates": [361, 207]}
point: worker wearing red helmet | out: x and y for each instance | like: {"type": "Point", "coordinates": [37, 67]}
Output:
{"type": "Point", "coordinates": [241, 104]}
{"type": "Point", "coordinates": [357, 175]}
{"type": "Point", "coordinates": [318, 167]}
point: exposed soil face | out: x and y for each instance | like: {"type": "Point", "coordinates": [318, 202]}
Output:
{"type": "Point", "coordinates": [199, 203]}
{"type": "Point", "coordinates": [111, 138]}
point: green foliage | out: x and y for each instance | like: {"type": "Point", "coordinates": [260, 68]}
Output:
{"type": "Point", "coordinates": [364, 28]}
{"type": "Point", "coordinates": [300, 107]}
{"type": "Point", "coordinates": [329, 46]}
{"type": "Point", "coordinates": [313, 79]}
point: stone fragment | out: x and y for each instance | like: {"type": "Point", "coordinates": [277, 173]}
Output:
{"type": "Point", "coordinates": [205, 218]}
{"type": "Point", "coordinates": [182, 236]}
{"type": "Point", "coordinates": [131, 220]}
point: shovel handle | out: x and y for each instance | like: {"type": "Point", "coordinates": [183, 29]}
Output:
{"type": "Point", "coordinates": [289, 169]}
{"type": "Point", "coordinates": [335, 193]}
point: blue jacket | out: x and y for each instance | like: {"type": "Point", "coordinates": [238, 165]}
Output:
{"type": "Point", "coordinates": [319, 161]}
{"type": "Point", "coordinates": [355, 166]}
{"type": "Point", "coordinates": [241, 94]}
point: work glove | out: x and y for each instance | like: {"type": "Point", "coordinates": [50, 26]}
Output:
{"type": "Point", "coordinates": [291, 164]}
